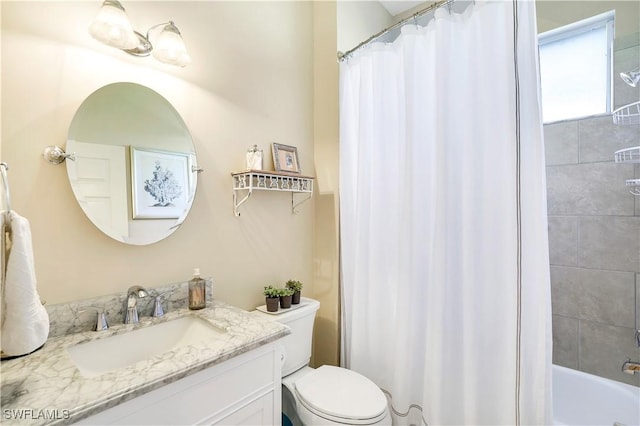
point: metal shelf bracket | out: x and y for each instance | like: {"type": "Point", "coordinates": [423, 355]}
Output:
{"type": "Point", "coordinates": [247, 181]}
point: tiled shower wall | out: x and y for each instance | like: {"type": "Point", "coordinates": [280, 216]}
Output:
{"type": "Point", "coordinates": [594, 237]}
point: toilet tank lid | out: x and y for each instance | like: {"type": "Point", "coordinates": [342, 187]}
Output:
{"type": "Point", "coordinates": [341, 393]}
{"type": "Point", "coordinates": [304, 308]}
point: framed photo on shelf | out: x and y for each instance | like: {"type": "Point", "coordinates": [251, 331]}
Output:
{"type": "Point", "coordinates": [285, 158]}
{"type": "Point", "coordinates": [160, 183]}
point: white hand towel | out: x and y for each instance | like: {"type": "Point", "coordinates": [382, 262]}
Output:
{"type": "Point", "coordinates": [4, 247]}
{"type": "Point", "coordinates": [25, 325]}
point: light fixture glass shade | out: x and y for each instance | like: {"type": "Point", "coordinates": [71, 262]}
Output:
{"type": "Point", "coordinates": [169, 47]}
{"type": "Point", "coordinates": [631, 78]}
{"type": "Point", "coordinates": [112, 27]}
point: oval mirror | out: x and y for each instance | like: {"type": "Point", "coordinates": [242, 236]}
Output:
{"type": "Point", "coordinates": [135, 170]}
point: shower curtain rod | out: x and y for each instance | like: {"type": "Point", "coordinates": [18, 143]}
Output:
{"type": "Point", "coordinates": [434, 6]}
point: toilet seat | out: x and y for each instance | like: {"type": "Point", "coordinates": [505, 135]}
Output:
{"type": "Point", "coordinates": [341, 396]}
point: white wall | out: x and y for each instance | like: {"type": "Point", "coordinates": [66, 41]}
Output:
{"type": "Point", "coordinates": [326, 149]}
{"type": "Point", "coordinates": [250, 83]}
{"type": "Point", "coordinates": [359, 20]}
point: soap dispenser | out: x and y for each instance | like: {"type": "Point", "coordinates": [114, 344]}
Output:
{"type": "Point", "coordinates": [197, 293]}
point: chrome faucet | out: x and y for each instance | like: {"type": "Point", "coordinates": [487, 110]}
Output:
{"type": "Point", "coordinates": [131, 303]}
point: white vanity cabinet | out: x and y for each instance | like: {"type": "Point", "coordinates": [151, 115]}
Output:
{"type": "Point", "coordinates": [244, 390]}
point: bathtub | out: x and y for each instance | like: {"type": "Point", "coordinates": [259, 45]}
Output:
{"type": "Point", "coordinates": [584, 399]}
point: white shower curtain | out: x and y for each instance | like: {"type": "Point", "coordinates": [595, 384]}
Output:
{"type": "Point", "coordinates": [446, 295]}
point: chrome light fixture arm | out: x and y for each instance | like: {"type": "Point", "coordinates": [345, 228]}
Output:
{"type": "Point", "coordinates": [145, 47]}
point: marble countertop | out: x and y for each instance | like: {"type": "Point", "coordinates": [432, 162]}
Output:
{"type": "Point", "coordinates": [46, 388]}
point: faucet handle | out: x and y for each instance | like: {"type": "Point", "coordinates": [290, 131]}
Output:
{"type": "Point", "coordinates": [630, 367]}
{"type": "Point", "coordinates": [101, 320]}
{"type": "Point", "coordinates": [157, 309]}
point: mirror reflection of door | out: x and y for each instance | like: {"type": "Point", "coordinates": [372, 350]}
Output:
{"type": "Point", "coordinates": [98, 178]}
{"type": "Point", "coordinates": [108, 124]}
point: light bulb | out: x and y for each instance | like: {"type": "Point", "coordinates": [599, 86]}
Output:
{"type": "Point", "coordinates": [169, 47]}
{"type": "Point", "coordinates": [112, 27]}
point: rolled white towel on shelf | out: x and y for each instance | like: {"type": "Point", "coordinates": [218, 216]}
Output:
{"type": "Point", "coordinates": [25, 322]}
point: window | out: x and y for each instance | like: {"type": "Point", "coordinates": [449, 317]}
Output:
{"type": "Point", "coordinates": [576, 67]}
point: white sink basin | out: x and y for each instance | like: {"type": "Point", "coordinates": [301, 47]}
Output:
{"type": "Point", "coordinates": [122, 350]}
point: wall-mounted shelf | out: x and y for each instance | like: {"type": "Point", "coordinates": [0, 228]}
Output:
{"type": "Point", "coordinates": [628, 114]}
{"type": "Point", "coordinates": [628, 155]}
{"type": "Point", "coordinates": [245, 182]}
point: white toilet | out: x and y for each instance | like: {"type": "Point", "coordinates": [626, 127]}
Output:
{"type": "Point", "coordinates": [327, 395]}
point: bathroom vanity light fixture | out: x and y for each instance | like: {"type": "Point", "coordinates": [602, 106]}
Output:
{"type": "Point", "coordinates": [112, 27]}
{"type": "Point", "coordinates": [631, 77]}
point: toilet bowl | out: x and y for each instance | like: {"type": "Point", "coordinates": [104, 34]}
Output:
{"type": "Point", "coordinates": [327, 395]}
{"type": "Point", "coordinates": [334, 395]}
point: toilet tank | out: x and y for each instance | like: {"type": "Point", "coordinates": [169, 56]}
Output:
{"type": "Point", "coordinates": [297, 345]}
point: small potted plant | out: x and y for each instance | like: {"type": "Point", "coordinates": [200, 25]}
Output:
{"type": "Point", "coordinates": [272, 298]}
{"type": "Point", "coordinates": [286, 294]}
{"type": "Point", "coordinates": [296, 286]}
